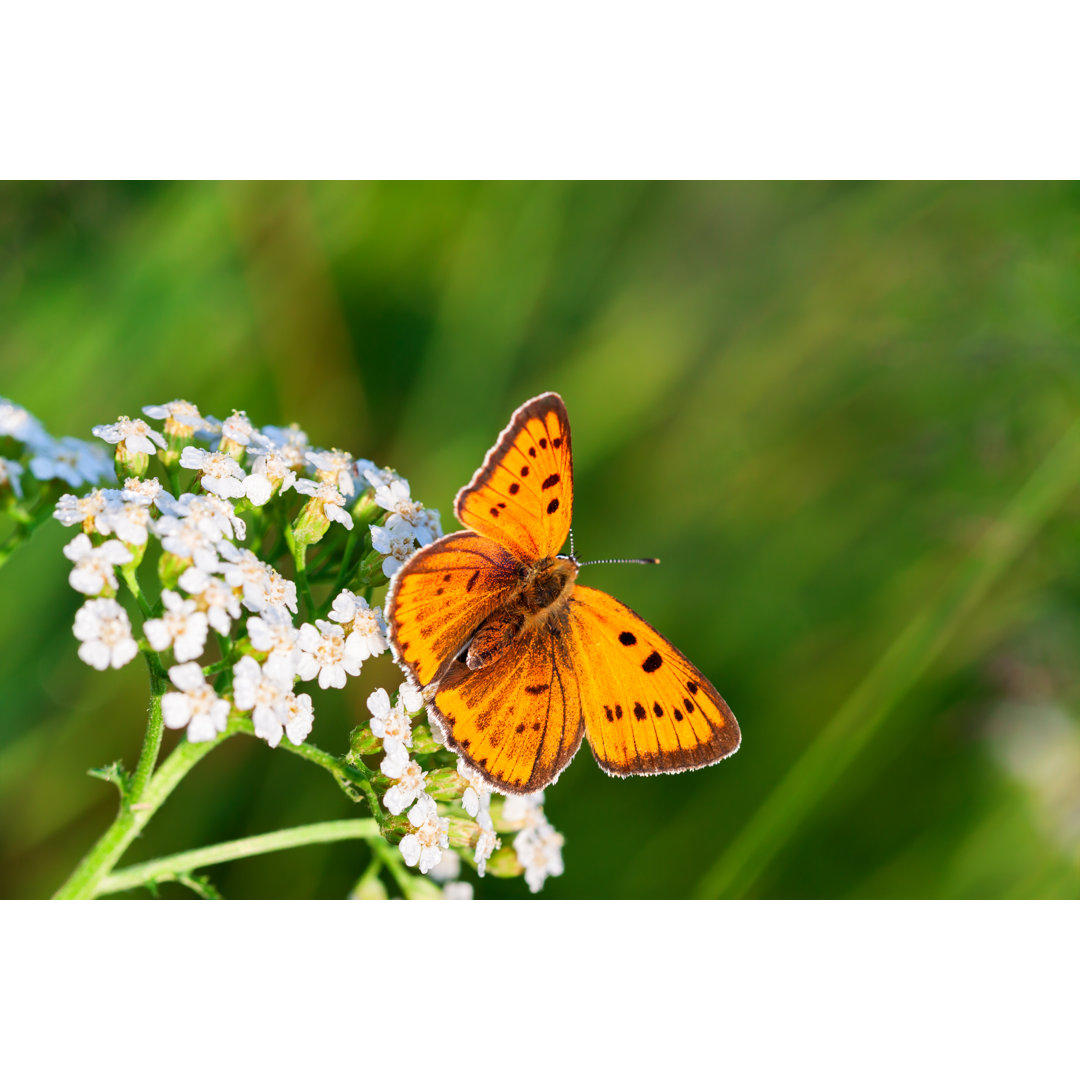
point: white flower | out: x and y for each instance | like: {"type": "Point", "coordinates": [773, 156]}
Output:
{"type": "Point", "coordinates": [393, 725]}
{"type": "Point", "coordinates": [329, 501]}
{"type": "Point", "coordinates": [270, 473]}
{"type": "Point", "coordinates": [291, 443]}
{"type": "Point", "coordinates": [196, 707]}
{"type": "Point", "coordinates": [524, 811]}
{"type": "Point", "coordinates": [426, 845]}
{"type": "Point", "coordinates": [273, 633]}
{"type": "Point", "coordinates": [134, 436]}
{"type": "Point", "coordinates": [265, 692]}
{"type": "Point", "coordinates": [457, 890]}
{"type": "Point", "coordinates": [128, 520]}
{"type": "Point", "coordinates": [448, 869]}
{"type": "Point", "coordinates": [539, 850]}
{"type": "Point", "coordinates": [71, 510]}
{"type": "Point", "coordinates": [323, 653]}
{"type": "Point", "coordinates": [238, 431]}
{"type": "Point", "coordinates": [182, 419]}
{"type": "Point", "coordinates": [104, 629]}
{"type": "Point", "coordinates": [477, 794]}
{"type": "Point", "coordinates": [334, 467]}
{"type": "Point", "coordinates": [147, 492]}
{"type": "Point", "coordinates": [396, 544]}
{"type": "Point", "coordinates": [213, 516]}
{"type": "Point", "coordinates": [72, 460]}
{"type": "Point", "coordinates": [93, 571]}
{"type": "Point", "coordinates": [404, 513]}
{"type": "Point", "coordinates": [10, 475]}
{"type": "Point", "coordinates": [184, 539]}
{"type": "Point", "coordinates": [363, 625]}
{"type": "Point", "coordinates": [410, 780]}
{"type": "Point", "coordinates": [183, 627]}
{"type": "Point", "coordinates": [218, 473]}
{"type": "Point", "coordinates": [486, 843]}
{"type": "Point", "coordinates": [212, 596]}
{"type": "Point", "coordinates": [20, 424]}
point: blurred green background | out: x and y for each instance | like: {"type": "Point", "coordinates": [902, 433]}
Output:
{"type": "Point", "coordinates": [841, 414]}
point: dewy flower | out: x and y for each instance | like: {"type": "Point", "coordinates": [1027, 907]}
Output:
{"type": "Point", "coordinates": [93, 572]}
{"type": "Point", "coordinates": [425, 846]}
{"type": "Point", "coordinates": [404, 513]}
{"type": "Point", "coordinates": [182, 419]}
{"type": "Point", "coordinates": [196, 707]}
{"type": "Point", "coordinates": [214, 517]}
{"type": "Point", "coordinates": [326, 504]}
{"type": "Point", "coordinates": [183, 538]}
{"type": "Point", "coordinates": [539, 850]}
{"type": "Point", "coordinates": [264, 692]}
{"type": "Point", "coordinates": [291, 443]}
{"type": "Point", "coordinates": [20, 424]}
{"type": "Point", "coordinates": [364, 627]}
{"type": "Point", "coordinates": [72, 460]}
{"type": "Point", "coordinates": [524, 811]}
{"type": "Point", "coordinates": [477, 793]}
{"type": "Point", "coordinates": [486, 843]}
{"type": "Point", "coordinates": [72, 510]}
{"type": "Point", "coordinates": [334, 467]}
{"type": "Point", "coordinates": [212, 597]}
{"type": "Point", "coordinates": [323, 653]}
{"type": "Point", "coordinates": [218, 473]}
{"type": "Point", "coordinates": [448, 869]}
{"type": "Point", "coordinates": [145, 492]}
{"type": "Point", "coordinates": [132, 437]}
{"type": "Point", "coordinates": [104, 629]}
{"type": "Point", "coordinates": [238, 434]}
{"type": "Point", "coordinates": [396, 544]}
{"type": "Point", "coordinates": [409, 776]}
{"type": "Point", "coordinates": [128, 520]}
{"type": "Point", "coordinates": [393, 725]}
{"type": "Point", "coordinates": [11, 476]}
{"type": "Point", "coordinates": [273, 633]}
{"type": "Point", "coordinates": [183, 628]}
{"type": "Point", "coordinates": [270, 474]}
{"type": "Point", "coordinates": [263, 587]}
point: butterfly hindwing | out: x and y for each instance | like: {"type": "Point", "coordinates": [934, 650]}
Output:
{"type": "Point", "coordinates": [441, 595]}
{"type": "Point", "coordinates": [647, 708]}
{"type": "Point", "coordinates": [519, 721]}
{"type": "Point", "coordinates": [522, 496]}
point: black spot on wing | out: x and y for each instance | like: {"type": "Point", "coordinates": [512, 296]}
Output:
{"type": "Point", "coordinates": [639, 710]}
{"type": "Point", "coordinates": [652, 662]}
{"type": "Point", "coordinates": [540, 689]}
{"type": "Point", "coordinates": [553, 506]}
{"type": "Point", "coordinates": [627, 638]}
{"type": "Point", "coordinates": [472, 581]}
{"type": "Point", "coordinates": [551, 481]}
{"type": "Point", "coordinates": [515, 488]}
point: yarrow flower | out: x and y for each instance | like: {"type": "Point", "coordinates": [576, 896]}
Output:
{"type": "Point", "coordinates": [182, 419]}
{"type": "Point", "coordinates": [364, 626]}
{"type": "Point", "coordinates": [405, 515]}
{"type": "Point", "coordinates": [11, 476]}
{"type": "Point", "coordinates": [218, 473]}
{"type": "Point", "coordinates": [93, 572]}
{"type": "Point", "coordinates": [239, 434]}
{"type": "Point", "coordinates": [326, 504]}
{"type": "Point", "coordinates": [20, 424]}
{"type": "Point", "coordinates": [104, 629]}
{"type": "Point", "coordinates": [196, 706]}
{"type": "Point", "coordinates": [539, 850]}
{"type": "Point", "coordinates": [182, 628]}
{"type": "Point", "coordinates": [270, 474]}
{"type": "Point", "coordinates": [396, 544]}
{"type": "Point", "coordinates": [409, 779]}
{"type": "Point", "coordinates": [71, 460]}
{"type": "Point", "coordinates": [424, 846]}
{"type": "Point", "coordinates": [212, 596]}
{"type": "Point", "coordinates": [131, 436]}
{"type": "Point", "coordinates": [291, 443]}
{"type": "Point", "coordinates": [325, 653]}
{"type": "Point", "coordinates": [266, 692]}
{"type": "Point", "coordinates": [88, 510]}
{"type": "Point", "coordinates": [392, 724]}
{"type": "Point", "coordinates": [334, 467]}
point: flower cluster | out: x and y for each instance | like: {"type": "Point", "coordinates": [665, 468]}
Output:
{"type": "Point", "coordinates": [197, 555]}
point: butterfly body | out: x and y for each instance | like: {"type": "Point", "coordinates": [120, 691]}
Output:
{"type": "Point", "coordinates": [517, 661]}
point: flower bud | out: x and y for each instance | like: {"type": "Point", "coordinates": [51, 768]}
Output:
{"type": "Point", "coordinates": [446, 785]}
{"type": "Point", "coordinates": [363, 742]}
{"type": "Point", "coordinates": [423, 740]}
{"type": "Point", "coordinates": [170, 567]}
{"type": "Point", "coordinates": [130, 463]}
{"type": "Point", "coordinates": [311, 523]}
{"type": "Point", "coordinates": [369, 888]}
{"type": "Point", "coordinates": [504, 863]}
{"type": "Point", "coordinates": [462, 832]}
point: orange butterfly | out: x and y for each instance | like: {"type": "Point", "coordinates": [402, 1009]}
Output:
{"type": "Point", "coordinates": [516, 662]}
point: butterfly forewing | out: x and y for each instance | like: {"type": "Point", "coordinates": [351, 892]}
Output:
{"type": "Point", "coordinates": [442, 594]}
{"type": "Point", "coordinates": [522, 496]}
{"type": "Point", "coordinates": [647, 708]}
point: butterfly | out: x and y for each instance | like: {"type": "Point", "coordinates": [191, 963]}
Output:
{"type": "Point", "coordinates": [516, 661]}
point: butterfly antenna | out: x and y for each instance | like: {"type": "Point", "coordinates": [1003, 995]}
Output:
{"type": "Point", "coordinates": [640, 562]}
{"type": "Point", "coordinates": [572, 545]}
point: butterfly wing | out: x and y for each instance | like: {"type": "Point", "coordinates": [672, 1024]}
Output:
{"type": "Point", "coordinates": [647, 709]}
{"type": "Point", "coordinates": [519, 721]}
{"type": "Point", "coordinates": [522, 496]}
{"type": "Point", "coordinates": [441, 595]}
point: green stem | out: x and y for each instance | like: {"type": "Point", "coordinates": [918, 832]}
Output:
{"type": "Point", "coordinates": [151, 747]}
{"type": "Point", "coordinates": [904, 663]}
{"type": "Point", "coordinates": [85, 881]}
{"type": "Point", "coordinates": [171, 867]}
{"type": "Point", "coordinates": [346, 559]}
{"type": "Point", "coordinates": [299, 554]}
{"type": "Point", "coordinates": [128, 571]}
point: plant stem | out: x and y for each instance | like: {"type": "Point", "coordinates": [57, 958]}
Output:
{"type": "Point", "coordinates": [85, 881]}
{"type": "Point", "coordinates": [171, 867]}
{"type": "Point", "coordinates": [902, 665]}
{"type": "Point", "coordinates": [298, 551]}
{"type": "Point", "coordinates": [155, 728]}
